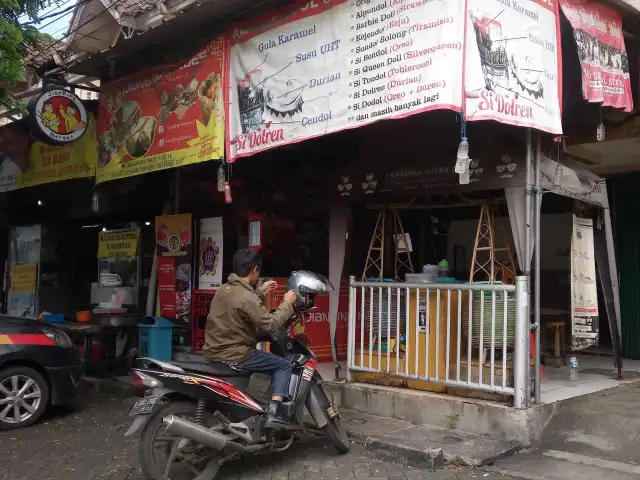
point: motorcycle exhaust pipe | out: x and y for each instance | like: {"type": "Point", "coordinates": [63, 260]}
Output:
{"type": "Point", "coordinates": [199, 434]}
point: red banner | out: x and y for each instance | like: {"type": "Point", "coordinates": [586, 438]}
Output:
{"type": "Point", "coordinates": [603, 56]}
{"type": "Point", "coordinates": [169, 116]}
{"type": "Point", "coordinates": [174, 248]}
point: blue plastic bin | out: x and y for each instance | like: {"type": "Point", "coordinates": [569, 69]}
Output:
{"type": "Point", "coordinates": [154, 337]}
{"type": "Point", "coordinates": [53, 318]}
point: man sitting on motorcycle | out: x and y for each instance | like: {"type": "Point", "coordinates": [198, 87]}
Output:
{"type": "Point", "coordinates": [237, 315]}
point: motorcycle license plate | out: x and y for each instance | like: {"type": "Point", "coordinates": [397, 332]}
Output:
{"type": "Point", "coordinates": [144, 406]}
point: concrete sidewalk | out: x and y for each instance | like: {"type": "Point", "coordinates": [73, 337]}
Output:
{"type": "Point", "coordinates": [423, 446]}
{"type": "Point", "coordinates": [592, 437]}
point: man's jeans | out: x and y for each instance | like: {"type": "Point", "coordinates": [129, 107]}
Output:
{"type": "Point", "coordinates": [269, 364]}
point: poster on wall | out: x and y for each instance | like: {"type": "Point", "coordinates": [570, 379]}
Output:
{"type": "Point", "coordinates": [120, 244]}
{"type": "Point", "coordinates": [584, 291]}
{"type": "Point", "coordinates": [339, 64]}
{"type": "Point", "coordinates": [513, 63]}
{"type": "Point", "coordinates": [603, 56]}
{"type": "Point", "coordinates": [22, 291]}
{"type": "Point", "coordinates": [52, 163]}
{"type": "Point", "coordinates": [174, 250]}
{"type": "Point", "coordinates": [162, 118]}
{"type": "Point", "coordinates": [210, 254]}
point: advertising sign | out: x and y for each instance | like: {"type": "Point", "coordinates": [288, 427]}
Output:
{"type": "Point", "coordinates": [161, 118]}
{"type": "Point", "coordinates": [487, 171]}
{"type": "Point", "coordinates": [513, 63]}
{"type": "Point", "coordinates": [23, 278]}
{"type": "Point", "coordinates": [120, 244]}
{"type": "Point", "coordinates": [174, 249]}
{"type": "Point", "coordinates": [336, 64]}
{"type": "Point", "coordinates": [210, 254]}
{"type": "Point", "coordinates": [584, 292]}
{"type": "Point", "coordinates": [58, 117]}
{"type": "Point", "coordinates": [21, 299]}
{"type": "Point", "coordinates": [603, 56]}
{"type": "Point", "coordinates": [51, 163]}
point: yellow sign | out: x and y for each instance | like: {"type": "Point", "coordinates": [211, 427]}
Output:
{"type": "Point", "coordinates": [120, 244]}
{"type": "Point", "coordinates": [49, 163]}
{"type": "Point", "coordinates": [23, 278]}
{"type": "Point", "coordinates": [166, 117]}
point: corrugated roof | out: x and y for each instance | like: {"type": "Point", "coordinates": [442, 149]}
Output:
{"type": "Point", "coordinates": [132, 8]}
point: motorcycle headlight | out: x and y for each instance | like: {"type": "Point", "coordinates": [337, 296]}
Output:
{"type": "Point", "coordinates": [57, 336]}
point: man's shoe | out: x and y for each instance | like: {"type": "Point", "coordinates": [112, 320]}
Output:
{"type": "Point", "coordinates": [277, 421]}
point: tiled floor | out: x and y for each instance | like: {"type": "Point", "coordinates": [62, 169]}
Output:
{"type": "Point", "coordinates": [557, 385]}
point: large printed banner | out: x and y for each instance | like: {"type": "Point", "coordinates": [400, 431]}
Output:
{"type": "Point", "coordinates": [337, 64]}
{"type": "Point", "coordinates": [166, 117]}
{"type": "Point", "coordinates": [584, 291]}
{"type": "Point", "coordinates": [603, 56]}
{"type": "Point", "coordinates": [210, 254]}
{"type": "Point", "coordinates": [49, 163]}
{"type": "Point", "coordinates": [513, 63]}
{"type": "Point", "coordinates": [174, 249]}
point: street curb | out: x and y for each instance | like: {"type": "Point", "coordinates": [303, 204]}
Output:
{"type": "Point", "coordinates": [382, 449]}
{"type": "Point", "coordinates": [520, 475]}
{"type": "Point", "coordinates": [449, 458]}
{"type": "Point", "coordinates": [490, 460]}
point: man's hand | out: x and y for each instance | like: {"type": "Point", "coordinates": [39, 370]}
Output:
{"type": "Point", "coordinates": [266, 287]}
{"type": "Point", "coordinates": [290, 297]}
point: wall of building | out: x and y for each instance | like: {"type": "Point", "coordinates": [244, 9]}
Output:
{"type": "Point", "coordinates": [624, 199]}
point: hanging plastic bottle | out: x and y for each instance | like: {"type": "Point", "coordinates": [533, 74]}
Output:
{"type": "Point", "coordinates": [600, 132]}
{"type": "Point", "coordinates": [557, 178]}
{"type": "Point", "coordinates": [221, 178]}
{"type": "Point", "coordinates": [95, 202]}
{"type": "Point", "coordinates": [227, 193]}
{"type": "Point", "coordinates": [462, 159]}
{"type": "Point", "coordinates": [464, 178]}
{"type": "Point", "coordinates": [573, 368]}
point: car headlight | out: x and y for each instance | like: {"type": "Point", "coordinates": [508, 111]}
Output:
{"type": "Point", "coordinates": [57, 336]}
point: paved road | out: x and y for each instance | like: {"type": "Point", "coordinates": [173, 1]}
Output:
{"type": "Point", "coordinates": [88, 444]}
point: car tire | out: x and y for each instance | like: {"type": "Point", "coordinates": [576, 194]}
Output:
{"type": "Point", "coordinates": [39, 387]}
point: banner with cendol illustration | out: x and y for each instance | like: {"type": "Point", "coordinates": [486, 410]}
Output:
{"type": "Point", "coordinates": [162, 118]}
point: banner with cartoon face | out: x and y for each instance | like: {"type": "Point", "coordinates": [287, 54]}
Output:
{"type": "Point", "coordinates": [513, 63]}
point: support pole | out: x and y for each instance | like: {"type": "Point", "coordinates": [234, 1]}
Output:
{"type": "Point", "coordinates": [527, 259]}
{"type": "Point", "coordinates": [520, 360]}
{"type": "Point", "coordinates": [536, 307]}
{"type": "Point", "coordinates": [351, 325]}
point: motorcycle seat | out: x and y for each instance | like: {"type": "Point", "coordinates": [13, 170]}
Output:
{"type": "Point", "coordinates": [216, 369]}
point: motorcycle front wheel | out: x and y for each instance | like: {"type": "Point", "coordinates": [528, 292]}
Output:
{"type": "Point", "coordinates": [333, 430]}
{"type": "Point", "coordinates": [164, 456]}
{"type": "Point", "coordinates": [337, 435]}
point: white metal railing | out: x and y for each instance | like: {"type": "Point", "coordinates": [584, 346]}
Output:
{"type": "Point", "coordinates": [460, 335]}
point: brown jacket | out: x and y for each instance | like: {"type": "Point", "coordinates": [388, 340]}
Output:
{"type": "Point", "coordinates": [237, 314]}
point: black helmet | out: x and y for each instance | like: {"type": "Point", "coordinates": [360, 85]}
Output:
{"type": "Point", "coordinates": [307, 285]}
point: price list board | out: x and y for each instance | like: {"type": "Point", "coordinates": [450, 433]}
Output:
{"type": "Point", "coordinates": [333, 65]}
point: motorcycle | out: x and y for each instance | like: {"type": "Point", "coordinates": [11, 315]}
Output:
{"type": "Point", "coordinates": [201, 414]}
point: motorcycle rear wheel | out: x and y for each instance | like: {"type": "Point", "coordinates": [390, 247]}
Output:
{"type": "Point", "coordinates": [151, 434]}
